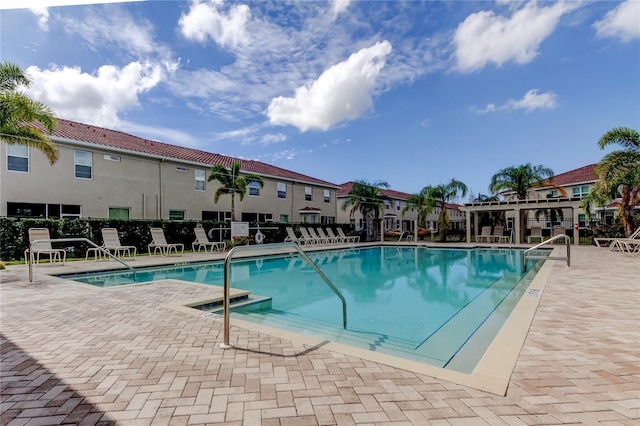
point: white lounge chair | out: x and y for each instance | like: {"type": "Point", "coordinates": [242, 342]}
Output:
{"type": "Point", "coordinates": [160, 244]}
{"type": "Point", "coordinates": [627, 245]}
{"type": "Point", "coordinates": [111, 242]}
{"type": "Point", "coordinates": [44, 247]}
{"type": "Point", "coordinates": [336, 238]}
{"type": "Point", "coordinates": [349, 238]}
{"type": "Point", "coordinates": [558, 230]}
{"type": "Point", "coordinates": [309, 239]}
{"type": "Point", "coordinates": [202, 242]}
{"type": "Point", "coordinates": [485, 234]}
{"type": "Point", "coordinates": [536, 233]}
{"type": "Point", "coordinates": [293, 238]}
{"type": "Point", "coordinates": [609, 240]}
{"type": "Point", "coordinates": [498, 235]}
{"type": "Point", "coordinates": [320, 237]}
{"type": "Point", "coordinates": [327, 238]}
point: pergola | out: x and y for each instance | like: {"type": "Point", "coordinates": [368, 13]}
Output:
{"type": "Point", "coordinates": [516, 206]}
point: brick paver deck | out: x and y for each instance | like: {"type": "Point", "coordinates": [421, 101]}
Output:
{"type": "Point", "coordinates": [78, 355]}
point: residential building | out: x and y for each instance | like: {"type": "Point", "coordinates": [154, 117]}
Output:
{"type": "Point", "coordinates": [393, 212]}
{"type": "Point", "coordinates": [104, 173]}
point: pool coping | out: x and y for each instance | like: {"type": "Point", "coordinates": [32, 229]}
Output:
{"type": "Point", "coordinates": [493, 372]}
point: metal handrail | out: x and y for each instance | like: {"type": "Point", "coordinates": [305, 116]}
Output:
{"type": "Point", "coordinates": [64, 240]}
{"type": "Point", "coordinates": [557, 237]}
{"type": "Point", "coordinates": [227, 261]}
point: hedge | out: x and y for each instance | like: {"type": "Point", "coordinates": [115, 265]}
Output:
{"type": "Point", "coordinates": [14, 237]}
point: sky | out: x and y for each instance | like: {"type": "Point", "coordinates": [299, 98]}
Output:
{"type": "Point", "coordinates": [412, 93]}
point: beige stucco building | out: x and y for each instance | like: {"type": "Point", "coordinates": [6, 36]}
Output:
{"type": "Point", "coordinates": [103, 173]}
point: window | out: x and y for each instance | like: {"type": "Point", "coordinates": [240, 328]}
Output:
{"type": "Point", "coordinates": [83, 164]}
{"type": "Point", "coordinates": [216, 216]}
{"type": "Point", "coordinates": [282, 190]}
{"type": "Point", "coordinates": [327, 196]}
{"type": "Point", "coordinates": [176, 214]}
{"type": "Point", "coordinates": [118, 213]}
{"type": "Point", "coordinates": [387, 204]}
{"type": "Point", "coordinates": [284, 218]}
{"type": "Point", "coordinates": [109, 157]}
{"type": "Point", "coordinates": [181, 169]}
{"type": "Point", "coordinates": [580, 191]}
{"type": "Point", "coordinates": [254, 188]}
{"type": "Point", "coordinates": [582, 222]}
{"type": "Point", "coordinates": [553, 193]}
{"type": "Point", "coordinates": [70, 211]}
{"type": "Point", "coordinates": [327, 220]}
{"type": "Point", "coordinates": [308, 193]}
{"type": "Point", "coordinates": [200, 180]}
{"type": "Point", "coordinates": [397, 205]}
{"type": "Point", "coordinates": [43, 210]}
{"type": "Point", "coordinates": [17, 158]}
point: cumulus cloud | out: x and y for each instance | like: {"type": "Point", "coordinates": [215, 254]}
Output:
{"type": "Point", "coordinates": [210, 20]}
{"type": "Point", "coordinates": [485, 37]}
{"type": "Point", "coordinates": [342, 92]}
{"type": "Point", "coordinates": [338, 6]}
{"type": "Point", "coordinates": [622, 22]}
{"type": "Point", "coordinates": [43, 16]}
{"type": "Point", "coordinates": [94, 98]}
{"type": "Point", "coordinates": [531, 100]}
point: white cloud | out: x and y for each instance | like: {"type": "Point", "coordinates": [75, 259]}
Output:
{"type": "Point", "coordinates": [43, 16]}
{"type": "Point", "coordinates": [339, 6]}
{"type": "Point", "coordinates": [485, 37]}
{"type": "Point", "coordinates": [531, 100]}
{"type": "Point", "coordinates": [207, 20]}
{"type": "Point", "coordinates": [622, 22]}
{"type": "Point", "coordinates": [342, 92]}
{"type": "Point", "coordinates": [271, 138]}
{"type": "Point", "coordinates": [94, 98]}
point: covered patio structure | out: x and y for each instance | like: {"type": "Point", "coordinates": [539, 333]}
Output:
{"type": "Point", "coordinates": [514, 208]}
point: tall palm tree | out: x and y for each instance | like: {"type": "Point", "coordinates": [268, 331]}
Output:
{"type": "Point", "coordinates": [520, 179]}
{"type": "Point", "coordinates": [421, 204]}
{"type": "Point", "coordinates": [232, 182]}
{"type": "Point", "coordinates": [18, 112]}
{"type": "Point", "coordinates": [367, 198]}
{"type": "Point", "coordinates": [440, 195]}
{"type": "Point", "coordinates": [489, 217]}
{"type": "Point", "coordinates": [618, 171]}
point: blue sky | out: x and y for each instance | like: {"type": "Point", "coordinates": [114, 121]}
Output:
{"type": "Point", "coordinates": [413, 93]}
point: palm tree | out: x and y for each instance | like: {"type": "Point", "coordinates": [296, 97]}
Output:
{"type": "Point", "coordinates": [440, 195]}
{"type": "Point", "coordinates": [421, 204]}
{"type": "Point", "coordinates": [367, 198]}
{"type": "Point", "coordinates": [618, 171]}
{"type": "Point", "coordinates": [521, 179]}
{"type": "Point", "coordinates": [489, 217]}
{"type": "Point", "coordinates": [18, 112]}
{"type": "Point", "coordinates": [232, 182]}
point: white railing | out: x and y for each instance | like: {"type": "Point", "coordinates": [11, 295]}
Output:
{"type": "Point", "coordinates": [525, 255]}
{"type": "Point", "coordinates": [227, 261]}
{"type": "Point", "coordinates": [64, 240]}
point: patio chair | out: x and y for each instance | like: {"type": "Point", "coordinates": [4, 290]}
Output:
{"type": "Point", "coordinates": [627, 245]}
{"type": "Point", "coordinates": [202, 242]}
{"type": "Point", "coordinates": [609, 240]}
{"type": "Point", "coordinates": [320, 237]}
{"type": "Point", "coordinates": [311, 239]}
{"type": "Point", "coordinates": [536, 233]}
{"type": "Point", "coordinates": [35, 234]}
{"type": "Point", "coordinates": [111, 243]}
{"type": "Point", "coordinates": [293, 238]}
{"type": "Point", "coordinates": [348, 238]}
{"type": "Point", "coordinates": [558, 230]}
{"type": "Point", "coordinates": [159, 243]}
{"type": "Point", "coordinates": [337, 239]}
{"type": "Point", "coordinates": [498, 235]}
{"type": "Point", "coordinates": [485, 234]}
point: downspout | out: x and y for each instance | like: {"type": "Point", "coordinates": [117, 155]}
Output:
{"type": "Point", "coordinates": [159, 205]}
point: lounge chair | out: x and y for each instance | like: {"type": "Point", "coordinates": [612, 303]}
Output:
{"type": "Point", "coordinates": [336, 238]}
{"type": "Point", "coordinates": [306, 235]}
{"type": "Point", "coordinates": [202, 242]}
{"type": "Point", "coordinates": [55, 255]}
{"type": "Point", "coordinates": [320, 237]}
{"type": "Point", "coordinates": [558, 230]}
{"type": "Point", "coordinates": [485, 234]}
{"type": "Point", "coordinates": [293, 238]}
{"type": "Point", "coordinates": [536, 233]}
{"type": "Point", "coordinates": [328, 239]}
{"type": "Point", "coordinates": [628, 245]}
{"type": "Point", "coordinates": [159, 243]}
{"type": "Point", "coordinates": [348, 238]}
{"type": "Point", "coordinates": [609, 241]}
{"type": "Point", "coordinates": [111, 243]}
{"type": "Point", "coordinates": [498, 235]}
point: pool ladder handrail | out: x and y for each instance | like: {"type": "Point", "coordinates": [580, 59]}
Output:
{"type": "Point", "coordinates": [557, 237]}
{"type": "Point", "coordinates": [227, 262]}
{"type": "Point", "coordinates": [64, 240]}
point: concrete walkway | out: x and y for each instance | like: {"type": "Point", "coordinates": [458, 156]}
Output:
{"type": "Point", "coordinates": [72, 354]}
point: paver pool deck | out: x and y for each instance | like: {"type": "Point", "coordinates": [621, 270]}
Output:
{"type": "Point", "coordinates": [72, 354]}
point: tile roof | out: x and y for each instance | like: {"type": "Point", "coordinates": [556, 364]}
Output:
{"type": "Point", "coordinates": [582, 174]}
{"type": "Point", "coordinates": [111, 138]}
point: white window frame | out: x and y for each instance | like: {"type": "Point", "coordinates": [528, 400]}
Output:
{"type": "Point", "coordinates": [76, 164]}
{"type": "Point", "coordinates": [580, 191]}
{"type": "Point", "coordinates": [281, 188]}
{"type": "Point", "coordinates": [11, 147]}
{"type": "Point", "coordinates": [398, 205]}
{"type": "Point", "coordinates": [308, 193]}
{"type": "Point", "coordinates": [254, 186]}
{"type": "Point", "coordinates": [200, 179]}
{"type": "Point", "coordinates": [327, 195]}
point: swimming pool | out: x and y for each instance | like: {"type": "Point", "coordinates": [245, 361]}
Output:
{"type": "Point", "coordinates": [439, 306]}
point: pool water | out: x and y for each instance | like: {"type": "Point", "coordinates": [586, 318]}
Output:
{"type": "Point", "coordinates": [440, 306]}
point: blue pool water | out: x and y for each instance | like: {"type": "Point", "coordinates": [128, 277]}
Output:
{"type": "Point", "coordinates": [440, 306]}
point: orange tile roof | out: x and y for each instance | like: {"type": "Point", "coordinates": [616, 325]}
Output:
{"type": "Point", "coordinates": [111, 138]}
{"type": "Point", "coordinates": [572, 177]}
